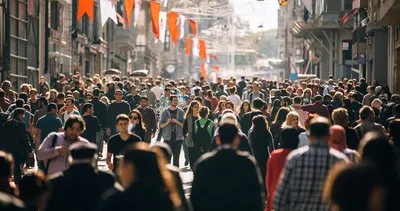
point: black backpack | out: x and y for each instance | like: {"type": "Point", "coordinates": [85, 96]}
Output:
{"type": "Point", "coordinates": [202, 138]}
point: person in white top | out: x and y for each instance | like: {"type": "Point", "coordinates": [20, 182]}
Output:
{"type": "Point", "coordinates": [157, 90]}
{"type": "Point", "coordinates": [234, 98]}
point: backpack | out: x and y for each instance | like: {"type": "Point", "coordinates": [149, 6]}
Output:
{"type": "Point", "coordinates": [202, 138]}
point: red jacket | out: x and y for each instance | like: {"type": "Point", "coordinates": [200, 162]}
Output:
{"type": "Point", "coordinates": [274, 168]}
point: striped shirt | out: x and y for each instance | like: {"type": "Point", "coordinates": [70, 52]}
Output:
{"type": "Point", "coordinates": [45, 152]}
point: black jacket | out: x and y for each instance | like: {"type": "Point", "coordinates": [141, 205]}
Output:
{"type": "Point", "coordinates": [244, 143]}
{"type": "Point", "coordinates": [114, 109]}
{"type": "Point", "coordinates": [14, 138]}
{"type": "Point", "coordinates": [246, 120]}
{"type": "Point", "coordinates": [100, 111]}
{"type": "Point", "coordinates": [227, 179]}
{"type": "Point", "coordinates": [79, 188]}
{"type": "Point", "coordinates": [149, 118]}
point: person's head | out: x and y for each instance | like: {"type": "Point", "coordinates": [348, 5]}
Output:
{"type": "Point", "coordinates": [23, 96]}
{"type": "Point", "coordinates": [259, 123]}
{"type": "Point", "coordinates": [337, 139]}
{"type": "Point", "coordinates": [52, 108]}
{"type": "Point", "coordinates": [144, 101]}
{"type": "Point", "coordinates": [367, 114]}
{"type": "Point", "coordinates": [292, 119]}
{"type": "Point", "coordinates": [164, 148]}
{"type": "Point", "coordinates": [19, 103]}
{"type": "Point", "coordinates": [281, 115]}
{"type": "Point", "coordinates": [193, 108]}
{"type": "Point", "coordinates": [69, 102]}
{"type": "Point", "coordinates": [122, 122]}
{"type": "Point", "coordinates": [286, 101]}
{"type": "Point", "coordinates": [340, 117]}
{"type": "Point", "coordinates": [173, 101]}
{"type": "Point", "coordinates": [395, 98]}
{"type": "Point", "coordinates": [347, 188]}
{"type": "Point", "coordinates": [245, 107]}
{"type": "Point", "coordinates": [34, 190]}
{"type": "Point", "coordinates": [338, 96]}
{"type": "Point", "coordinates": [221, 105]}
{"type": "Point", "coordinates": [87, 108]}
{"type": "Point", "coordinates": [19, 114]}
{"type": "Point", "coordinates": [319, 130]}
{"type": "Point", "coordinates": [167, 91]}
{"type": "Point", "coordinates": [221, 88]}
{"type": "Point", "coordinates": [377, 104]}
{"type": "Point", "coordinates": [83, 153]}
{"type": "Point", "coordinates": [228, 134]}
{"type": "Point", "coordinates": [258, 104]}
{"type": "Point", "coordinates": [136, 118]}
{"type": "Point", "coordinates": [307, 93]}
{"type": "Point", "coordinates": [43, 102]}
{"type": "Point", "coordinates": [297, 100]}
{"type": "Point", "coordinates": [60, 97]}
{"type": "Point", "coordinates": [6, 165]}
{"type": "Point", "coordinates": [318, 98]}
{"type": "Point", "coordinates": [96, 93]}
{"type": "Point", "coordinates": [118, 94]}
{"type": "Point", "coordinates": [53, 94]}
{"type": "Point", "coordinates": [74, 127]}
{"type": "Point", "coordinates": [229, 105]}
{"type": "Point", "coordinates": [105, 100]}
{"type": "Point", "coordinates": [6, 85]}
{"type": "Point", "coordinates": [146, 169]}
{"type": "Point", "coordinates": [133, 89]}
{"type": "Point", "coordinates": [204, 112]}
{"type": "Point", "coordinates": [228, 117]}
{"type": "Point", "coordinates": [232, 90]}
{"type": "Point", "coordinates": [276, 104]}
{"type": "Point", "coordinates": [289, 138]}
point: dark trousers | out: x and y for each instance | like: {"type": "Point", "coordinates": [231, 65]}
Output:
{"type": "Point", "coordinates": [192, 156]}
{"type": "Point", "coordinates": [176, 151]}
{"type": "Point", "coordinates": [17, 167]}
{"type": "Point", "coordinates": [147, 137]}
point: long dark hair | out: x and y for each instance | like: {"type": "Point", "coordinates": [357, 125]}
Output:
{"type": "Point", "coordinates": [141, 123]}
{"type": "Point", "coordinates": [241, 109]}
{"type": "Point", "coordinates": [190, 108]}
{"type": "Point", "coordinates": [281, 116]}
{"type": "Point", "coordinates": [276, 105]}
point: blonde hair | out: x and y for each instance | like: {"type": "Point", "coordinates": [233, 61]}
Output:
{"type": "Point", "coordinates": [376, 104]}
{"type": "Point", "coordinates": [340, 117]}
{"type": "Point", "coordinates": [290, 117]}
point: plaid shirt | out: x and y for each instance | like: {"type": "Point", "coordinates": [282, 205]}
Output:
{"type": "Point", "coordinates": [303, 178]}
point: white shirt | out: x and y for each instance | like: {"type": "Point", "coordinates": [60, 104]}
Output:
{"type": "Point", "coordinates": [235, 99]}
{"type": "Point", "coordinates": [158, 91]}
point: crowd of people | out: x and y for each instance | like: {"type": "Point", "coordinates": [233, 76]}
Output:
{"type": "Point", "coordinates": [252, 144]}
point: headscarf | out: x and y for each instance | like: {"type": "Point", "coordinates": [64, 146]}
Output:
{"type": "Point", "coordinates": [337, 139]}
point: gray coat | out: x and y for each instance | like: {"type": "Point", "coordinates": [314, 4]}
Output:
{"type": "Point", "coordinates": [167, 130]}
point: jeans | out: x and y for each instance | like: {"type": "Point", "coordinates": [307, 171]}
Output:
{"type": "Point", "coordinates": [17, 168]}
{"type": "Point", "coordinates": [99, 142]}
{"type": "Point", "coordinates": [176, 151]}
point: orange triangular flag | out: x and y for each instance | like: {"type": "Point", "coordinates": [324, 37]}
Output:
{"type": "Point", "coordinates": [155, 14]}
{"type": "Point", "coordinates": [173, 26]}
{"type": "Point", "coordinates": [203, 72]}
{"type": "Point", "coordinates": [202, 51]}
{"type": "Point", "coordinates": [85, 6]}
{"type": "Point", "coordinates": [188, 45]}
{"type": "Point", "coordinates": [193, 26]}
{"type": "Point", "coordinates": [128, 10]}
{"type": "Point", "coordinates": [215, 67]}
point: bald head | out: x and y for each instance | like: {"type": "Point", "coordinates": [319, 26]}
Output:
{"type": "Point", "coordinates": [319, 130]}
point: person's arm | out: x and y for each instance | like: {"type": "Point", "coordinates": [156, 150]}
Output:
{"type": "Point", "coordinates": [46, 151]}
{"type": "Point", "coordinates": [108, 161]}
{"type": "Point", "coordinates": [164, 121]}
{"type": "Point", "coordinates": [179, 121]}
{"type": "Point", "coordinates": [185, 127]}
{"type": "Point", "coordinates": [154, 122]}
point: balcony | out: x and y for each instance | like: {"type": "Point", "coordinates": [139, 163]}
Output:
{"type": "Point", "coordinates": [388, 13]}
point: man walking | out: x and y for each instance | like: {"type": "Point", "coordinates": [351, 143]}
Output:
{"type": "Point", "coordinates": [100, 111]}
{"type": "Point", "coordinates": [91, 122]}
{"type": "Point", "coordinates": [114, 109]}
{"type": "Point", "coordinates": [171, 124]}
{"type": "Point", "coordinates": [149, 118]}
{"type": "Point", "coordinates": [68, 110]}
{"type": "Point", "coordinates": [54, 149]}
{"type": "Point", "coordinates": [82, 174]}
{"type": "Point", "coordinates": [306, 170]}
{"type": "Point", "coordinates": [226, 179]}
{"type": "Point", "coordinates": [133, 98]}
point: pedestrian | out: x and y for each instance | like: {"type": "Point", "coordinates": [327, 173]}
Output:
{"type": "Point", "coordinates": [337, 140]}
{"type": "Point", "coordinates": [114, 109]}
{"type": "Point", "coordinates": [172, 125]}
{"type": "Point", "coordinates": [276, 126]}
{"type": "Point", "coordinates": [100, 111]}
{"type": "Point", "coordinates": [6, 173]}
{"type": "Point", "coordinates": [54, 148]}
{"type": "Point", "coordinates": [68, 110]}
{"type": "Point", "coordinates": [276, 105]}
{"type": "Point", "coordinates": [311, 164]}
{"type": "Point", "coordinates": [202, 134]}
{"type": "Point", "coordinates": [292, 121]}
{"type": "Point", "coordinates": [136, 124]}
{"type": "Point", "coordinates": [216, 186]}
{"type": "Point", "coordinates": [149, 119]}
{"type": "Point", "coordinates": [41, 111]}
{"type": "Point", "coordinates": [341, 117]}
{"type": "Point", "coordinates": [91, 122]}
{"type": "Point", "coordinates": [317, 107]}
{"type": "Point", "coordinates": [14, 141]}
{"type": "Point", "coordinates": [34, 191]}
{"type": "Point", "coordinates": [367, 123]}
{"type": "Point", "coordinates": [33, 101]}
{"type": "Point", "coordinates": [302, 114]}
{"type": "Point", "coordinates": [276, 163]}
{"type": "Point", "coordinates": [148, 185]}
{"type": "Point", "coordinates": [151, 96]}
{"type": "Point", "coordinates": [246, 119]}
{"type": "Point", "coordinates": [47, 124]}
{"type": "Point", "coordinates": [133, 98]}
{"type": "Point", "coordinates": [120, 141]}
{"type": "Point", "coordinates": [80, 181]}
{"type": "Point", "coordinates": [260, 139]}
{"type": "Point", "coordinates": [191, 115]}
{"type": "Point", "coordinates": [234, 98]}
{"type": "Point", "coordinates": [244, 108]}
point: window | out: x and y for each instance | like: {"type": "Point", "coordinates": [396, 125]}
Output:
{"type": "Point", "coordinates": [54, 15]}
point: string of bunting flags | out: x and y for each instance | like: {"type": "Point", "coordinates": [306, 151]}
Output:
{"type": "Point", "coordinates": [175, 22]}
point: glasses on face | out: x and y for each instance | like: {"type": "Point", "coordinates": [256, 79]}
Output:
{"type": "Point", "coordinates": [118, 94]}
{"type": "Point", "coordinates": [134, 117]}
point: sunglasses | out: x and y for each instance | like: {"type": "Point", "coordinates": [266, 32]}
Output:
{"type": "Point", "coordinates": [134, 117]}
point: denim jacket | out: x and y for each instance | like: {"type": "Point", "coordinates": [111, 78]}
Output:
{"type": "Point", "coordinates": [166, 134]}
